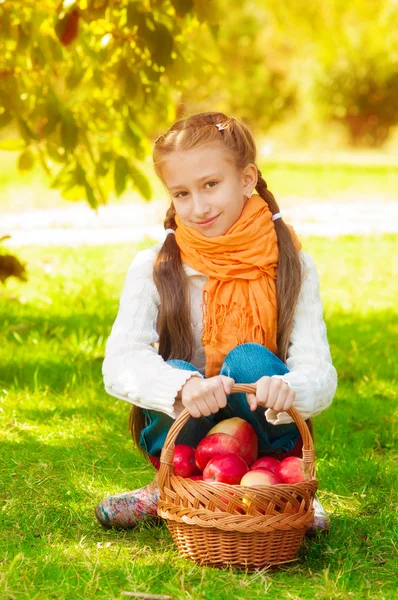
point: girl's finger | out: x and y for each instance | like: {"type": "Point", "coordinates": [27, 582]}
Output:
{"type": "Point", "coordinates": [220, 398]}
{"type": "Point", "coordinates": [281, 396]}
{"type": "Point", "coordinates": [193, 410]}
{"type": "Point", "coordinates": [227, 383]}
{"type": "Point", "coordinates": [210, 401]}
{"type": "Point", "coordinates": [252, 402]}
{"type": "Point", "coordinates": [289, 400]}
{"type": "Point", "coordinates": [262, 392]}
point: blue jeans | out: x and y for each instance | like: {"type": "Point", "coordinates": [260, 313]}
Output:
{"type": "Point", "coordinates": [246, 363]}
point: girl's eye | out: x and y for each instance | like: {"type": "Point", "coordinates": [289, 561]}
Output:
{"type": "Point", "coordinates": [177, 195]}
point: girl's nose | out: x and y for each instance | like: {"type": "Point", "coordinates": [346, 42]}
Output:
{"type": "Point", "coordinates": [201, 206]}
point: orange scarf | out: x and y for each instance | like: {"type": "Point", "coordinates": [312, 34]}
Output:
{"type": "Point", "coordinates": [239, 297]}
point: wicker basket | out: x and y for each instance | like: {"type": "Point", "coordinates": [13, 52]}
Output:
{"type": "Point", "coordinates": [220, 525]}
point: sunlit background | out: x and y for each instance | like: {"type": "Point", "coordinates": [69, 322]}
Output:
{"type": "Point", "coordinates": [86, 87]}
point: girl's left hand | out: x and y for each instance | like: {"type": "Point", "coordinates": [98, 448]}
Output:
{"type": "Point", "coordinates": [272, 393]}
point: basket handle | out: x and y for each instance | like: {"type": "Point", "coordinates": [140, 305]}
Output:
{"type": "Point", "coordinates": [167, 455]}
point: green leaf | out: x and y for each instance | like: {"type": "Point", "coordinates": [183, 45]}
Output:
{"type": "Point", "coordinates": [182, 7]}
{"type": "Point", "coordinates": [74, 193]}
{"type": "Point", "coordinates": [130, 87]}
{"type": "Point", "coordinates": [80, 175]}
{"type": "Point", "coordinates": [132, 14]}
{"type": "Point", "coordinates": [209, 12]}
{"type": "Point", "coordinates": [53, 116]}
{"type": "Point", "coordinates": [12, 145]}
{"type": "Point", "coordinates": [24, 37]}
{"type": "Point", "coordinates": [74, 76]}
{"type": "Point", "coordinates": [103, 165]}
{"type": "Point", "coordinates": [5, 119]}
{"type": "Point", "coordinates": [153, 76]}
{"type": "Point", "coordinates": [141, 182]}
{"type": "Point", "coordinates": [90, 195]}
{"type": "Point", "coordinates": [64, 178]}
{"type": "Point", "coordinates": [54, 153]}
{"type": "Point", "coordinates": [121, 173]}
{"type": "Point", "coordinates": [163, 45]}
{"type": "Point", "coordinates": [133, 137]}
{"type": "Point", "coordinates": [26, 131]}
{"type": "Point", "coordinates": [69, 132]}
{"type": "Point", "coordinates": [26, 160]}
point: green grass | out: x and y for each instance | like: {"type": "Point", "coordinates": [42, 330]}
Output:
{"type": "Point", "coordinates": [65, 443]}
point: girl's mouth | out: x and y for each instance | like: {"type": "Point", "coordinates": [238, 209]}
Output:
{"type": "Point", "coordinates": [208, 222]}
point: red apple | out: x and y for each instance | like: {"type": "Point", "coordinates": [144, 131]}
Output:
{"type": "Point", "coordinates": [225, 468]}
{"type": "Point", "coordinates": [184, 461]}
{"type": "Point", "coordinates": [242, 431]}
{"type": "Point", "coordinates": [217, 443]}
{"type": "Point", "coordinates": [196, 477]}
{"type": "Point", "coordinates": [265, 462]}
{"type": "Point", "coordinates": [292, 470]}
{"type": "Point", "coordinates": [260, 477]}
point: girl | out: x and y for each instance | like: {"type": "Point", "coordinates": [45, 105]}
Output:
{"type": "Point", "coordinates": [228, 296]}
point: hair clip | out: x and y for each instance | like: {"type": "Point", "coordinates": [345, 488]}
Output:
{"type": "Point", "coordinates": [219, 126]}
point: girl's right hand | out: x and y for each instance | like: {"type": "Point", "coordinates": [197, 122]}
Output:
{"type": "Point", "coordinates": [201, 397]}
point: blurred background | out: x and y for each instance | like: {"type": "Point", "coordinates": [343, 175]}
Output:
{"type": "Point", "coordinates": [87, 85]}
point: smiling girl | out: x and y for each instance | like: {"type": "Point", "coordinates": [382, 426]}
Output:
{"type": "Point", "coordinates": [228, 296]}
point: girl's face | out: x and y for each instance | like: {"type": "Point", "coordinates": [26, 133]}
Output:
{"type": "Point", "coordinates": [207, 189]}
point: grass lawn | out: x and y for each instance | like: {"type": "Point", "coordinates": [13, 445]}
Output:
{"type": "Point", "coordinates": [65, 443]}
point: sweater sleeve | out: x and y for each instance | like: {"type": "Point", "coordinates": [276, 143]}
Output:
{"type": "Point", "coordinates": [311, 372]}
{"type": "Point", "coordinates": [132, 368]}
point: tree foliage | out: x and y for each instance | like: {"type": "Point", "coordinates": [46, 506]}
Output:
{"type": "Point", "coordinates": [87, 83]}
{"type": "Point", "coordinates": [345, 62]}
{"type": "Point", "coordinates": [10, 265]}
{"type": "Point", "coordinates": [83, 79]}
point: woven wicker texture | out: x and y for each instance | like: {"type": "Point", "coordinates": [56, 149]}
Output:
{"type": "Point", "coordinates": [221, 525]}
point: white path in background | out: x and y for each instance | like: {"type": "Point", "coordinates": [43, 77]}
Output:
{"type": "Point", "coordinates": [126, 223]}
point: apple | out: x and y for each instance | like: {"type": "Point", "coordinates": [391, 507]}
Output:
{"type": "Point", "coordinates": [260, 477]}
{"type": "Point", "coordinates": [196, 477]}
{"type": "Point", "coordinates": [217, 443]}
{"type": "Point", "coordinates": [265, 462]}
{"type": "Point", "coordinates": [225, 468]}
{"type": "Point", "coordinates": [242, 431]}
{"type": "Point", "coordinates": [292, 470]}
{"type": "Point", "coordinates": [184, 461]}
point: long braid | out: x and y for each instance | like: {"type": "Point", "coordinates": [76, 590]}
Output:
{"type": "Point", "coordinates": [172, 283]}
{"type": "Point", "coordinates": [288, 284]}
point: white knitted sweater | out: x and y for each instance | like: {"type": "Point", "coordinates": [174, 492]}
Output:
{"type": "Point", "coordinates": [134, 371]}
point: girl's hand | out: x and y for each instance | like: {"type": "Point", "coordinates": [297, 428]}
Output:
{"type": "Point", "coordinates": [201, 397]}
{"type": "Point", "coordinates": [272, 393]}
